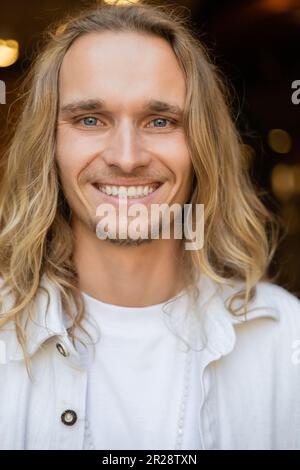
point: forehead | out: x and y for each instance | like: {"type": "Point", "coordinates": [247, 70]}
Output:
{"type": "Point", "coordinates": [122, 68]}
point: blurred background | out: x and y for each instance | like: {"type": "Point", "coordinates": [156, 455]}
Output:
{"type": "Point", "coordinates": [256, 44]}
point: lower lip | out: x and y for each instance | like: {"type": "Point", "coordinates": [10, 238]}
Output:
{"type": "Point", "coordinates": [130, 200]}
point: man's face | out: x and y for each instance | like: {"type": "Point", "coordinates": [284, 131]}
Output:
{"type": "Point", "coordinates": [115, 137]}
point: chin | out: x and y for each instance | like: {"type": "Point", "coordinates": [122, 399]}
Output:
{"type": "Point", "coordinates": [124, 237]}
{"type": "Point", "coordinates": [128, 241]}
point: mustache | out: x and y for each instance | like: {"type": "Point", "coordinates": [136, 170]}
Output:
{"type": "Point", "coordinates": [91, 175]}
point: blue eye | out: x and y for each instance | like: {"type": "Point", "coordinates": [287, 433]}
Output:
{"type": "Point", "coordinates": [90, 121]}
{"type": "Point", "coordinates": [160, 121]}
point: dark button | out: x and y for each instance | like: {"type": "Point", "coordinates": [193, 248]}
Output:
{"type": "Point", "coordinates": [61, 348]}
{"type": "Point", "coordinates": [69, 417]}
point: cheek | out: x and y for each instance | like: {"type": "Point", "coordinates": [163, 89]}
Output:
{"type": "Point", "coordinates": [177, 158]}
{"type": "Point", "coordinates": [72, 154]}
{"type": "Point", "coordinates": [181, 164]}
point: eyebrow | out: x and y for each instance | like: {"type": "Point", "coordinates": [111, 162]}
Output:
{"type": "Point", "coordinates": [98, 105]}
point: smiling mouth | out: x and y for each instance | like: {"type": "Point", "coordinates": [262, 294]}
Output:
{"type": "Point", "coordinates": [131, 192]}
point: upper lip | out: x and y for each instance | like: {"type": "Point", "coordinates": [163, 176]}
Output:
{"type": "Point", "coordinates": [119, 182]}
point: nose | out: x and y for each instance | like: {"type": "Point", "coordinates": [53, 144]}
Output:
{"type": "Point", "coordinates": [125, 149]}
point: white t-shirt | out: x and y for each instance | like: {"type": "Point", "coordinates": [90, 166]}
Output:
{"type": "Point", "coordinates": [136, 377]}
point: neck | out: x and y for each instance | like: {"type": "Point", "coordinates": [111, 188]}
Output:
{"type": "Point", "coordinates": [129, 276]}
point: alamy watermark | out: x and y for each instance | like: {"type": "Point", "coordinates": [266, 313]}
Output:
{"type": "Point", "coordinates": [296, 94]}
{"type": "Point", "coordinates": [2, 92]}
{"type": "Point", "coordinates": [295, 358]}
{"type": "Point", "coordinates": [136, 221]}
{"type": "Point", "coordinates": [3, 358]}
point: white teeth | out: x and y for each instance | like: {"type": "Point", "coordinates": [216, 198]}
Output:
{"type": "Point", "coordinates": [122, 191]}
{"type": "Point", "coordinates": [131, 191]}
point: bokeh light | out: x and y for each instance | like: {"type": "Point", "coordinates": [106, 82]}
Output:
{"type": "Point", "coordinates": [9, 52]}
{"type": "Point", "coordinates": [280, 141]}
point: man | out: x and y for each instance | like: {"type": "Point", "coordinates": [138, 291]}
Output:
{"type": "Point", "coordinates": [133, 342]}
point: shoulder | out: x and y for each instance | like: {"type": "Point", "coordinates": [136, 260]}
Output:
{"type": "Point", "coordinates": [269, 300]}
{"type": "Point", "coordinates": [262, 370]}
{"type": "Point", "coordinates": [272, 321]}
{"type": "Point", "coordinates": [284, 304]}
{"type": "Point", "coordinates": [268, 337]}
{"type": "Point", "coordinates": [275, 292]}
{"type": "Point", "coordinates": [273, 326]}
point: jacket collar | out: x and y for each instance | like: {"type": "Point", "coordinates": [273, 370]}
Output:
{"type": "Point", "coordinates": [216, 323]}
{"type": "Point", "coordinates": [40, 327]}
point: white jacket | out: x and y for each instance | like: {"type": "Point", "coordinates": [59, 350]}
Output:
{"type": "Point", "coordinates": [250, 376]}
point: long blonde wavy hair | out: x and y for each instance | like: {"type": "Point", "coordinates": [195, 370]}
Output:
{"type": "Point", "coordinates": [36, 236]}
